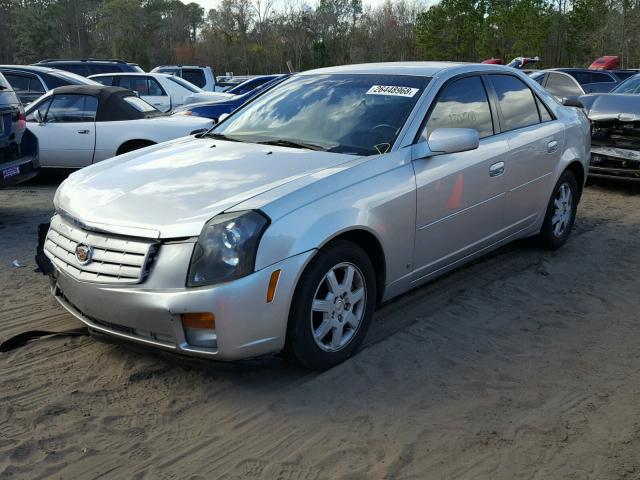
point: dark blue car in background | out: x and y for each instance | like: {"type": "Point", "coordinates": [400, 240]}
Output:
{"type": "Point", "coordinates": [18, 146]}
{"type": "Point", "coordinates": [216, 108]}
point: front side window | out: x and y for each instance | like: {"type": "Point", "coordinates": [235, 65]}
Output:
{"type": "Point", "coordinates": [195, 76]}
{"type": "Point", "coordinates": [516, 101]}
{"type": "Point", "coordinates": [72, 108]}
{"type": "Point", "coordinates": [155, 90]}
{"type": "Point", "coordinates": [42, 108]}
{"type": "Point", "coordinates": [630, 86]}
{"type": "Point", "coordinates": [561, 85]}
{"type": "Point", "coordinates": [352, 114]}
{"type": "Point", "coordinates": [461, 104]}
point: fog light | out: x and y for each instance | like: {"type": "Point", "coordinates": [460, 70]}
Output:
{"type": "Point", "coordinates": [200, 329]}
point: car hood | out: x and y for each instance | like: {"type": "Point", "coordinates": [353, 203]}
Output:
{"type": "Point", "coordinates": [170, 190]}
{"type": "Point", "coordinates": [612, 106]}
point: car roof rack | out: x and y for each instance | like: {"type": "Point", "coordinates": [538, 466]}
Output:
{"type": "Point", "coordinates": [177, 65]}
{"type": "Point", "coordinates": [113, 60]}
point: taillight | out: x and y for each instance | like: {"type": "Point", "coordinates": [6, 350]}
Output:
{"type": "Point", "coordinates": [22, 119]}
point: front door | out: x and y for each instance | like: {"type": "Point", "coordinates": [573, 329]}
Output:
{"type": "Point", "coordinates": [67, 136]}
{"type": "Point", "coordinates": [460, 196]}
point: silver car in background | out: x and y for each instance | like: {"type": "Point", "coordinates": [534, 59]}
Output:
{"type": "Point", "coordinates": [285, 225]}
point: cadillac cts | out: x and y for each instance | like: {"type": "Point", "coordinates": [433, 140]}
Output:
{"type": "Point", "coordinates": [282, 227]}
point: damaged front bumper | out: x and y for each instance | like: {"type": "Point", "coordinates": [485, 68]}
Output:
{"type": "Point", "coordinates": [611, 162]}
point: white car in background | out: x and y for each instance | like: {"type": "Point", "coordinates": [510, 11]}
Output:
{"type": "Point", "coordinates": [80, 125]}
{"type": "Point", "coordinates": [163, 91]}
{"type": "Point", "coordinates": [199, 75]}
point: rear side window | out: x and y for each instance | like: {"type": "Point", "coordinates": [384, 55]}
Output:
{"type": "Point", "coordinates": [108, 81]}
{"type": "Point", "coordinates": [601, 78]}
{"type": "Point", "coordinates": [516, 101]}
{"type": "Point", "coordinates": [20, 83]}
{"type": "Point", "coordinates": [104, 68]}
{"type": "Point", "coordinates": [461, 104]}
{"type": "Point", "coordinates": [77, 68]}
{"type": "Point", "coordinates": [194, 76]}
{"type": "Point", "coordinates": [72, 108]}
{"type": "Point", "coordinates": [561, 85]}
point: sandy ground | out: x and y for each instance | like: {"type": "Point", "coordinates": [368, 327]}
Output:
{"type": "Point", "coordinates": [523, 365]}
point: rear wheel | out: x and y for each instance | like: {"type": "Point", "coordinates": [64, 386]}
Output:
{"type": "Point", "coordinates": [332, 307]}
{"type": "Point", "coordinates": [561, 212]}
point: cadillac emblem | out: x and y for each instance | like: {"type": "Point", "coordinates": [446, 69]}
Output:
{"type": "Point", "coordinates": [83, 253]}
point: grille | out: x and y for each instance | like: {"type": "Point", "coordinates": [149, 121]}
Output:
{"type": "Point", "coordinates": [114, 258]}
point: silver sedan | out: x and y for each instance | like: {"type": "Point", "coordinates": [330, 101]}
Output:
{"type": "Point", "coordinates": [284, 226]}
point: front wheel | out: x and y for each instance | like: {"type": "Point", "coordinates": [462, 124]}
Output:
{"type": "Point", "coordinates": [561, 212]}
{"type": "Point", "coordinates": [332, 307]}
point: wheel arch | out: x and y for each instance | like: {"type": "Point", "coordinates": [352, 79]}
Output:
{"type": "Point", "coordinates": [134, 144]}
{"type": "Point", "coordinates": [577, 169]}
{"type": "Point", "coordinates": [371, 245]}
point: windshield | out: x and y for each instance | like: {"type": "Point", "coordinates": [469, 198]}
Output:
{"type": "Point", "coordinates": [183, 83]}
{"type": "Point", "coordinates": [629, 86]}
{"type": "Point", "coordinates": [354, 114]}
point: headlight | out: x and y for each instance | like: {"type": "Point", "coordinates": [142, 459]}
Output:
{"type": "Point", "coordinates": [226, 248]}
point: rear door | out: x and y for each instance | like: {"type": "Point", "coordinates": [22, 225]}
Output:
{"type": "Point", "coordinates": [67, 135]}
{"type": "Point", "coordinates": [148, 89]}
{"type": "Point", "coordinates": [535, 140]}
{"type": "Point", "coordinates": [460, 196]}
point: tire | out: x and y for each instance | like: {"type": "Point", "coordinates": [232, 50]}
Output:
{"type": "Point", "coordinates": [560, 217]}
{"type": "Point", "coordinates": [322, 337]}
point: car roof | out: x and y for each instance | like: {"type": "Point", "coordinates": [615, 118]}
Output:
{"type": "Point", "coordinates": [426, 69]}
{"type": "Point", "coordinates": [34, 68]}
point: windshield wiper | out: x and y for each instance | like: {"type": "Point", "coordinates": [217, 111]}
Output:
{"type": "Point", "coordinates": [217, 136]}
{"type": "Point", "coordinates": [290, 143]}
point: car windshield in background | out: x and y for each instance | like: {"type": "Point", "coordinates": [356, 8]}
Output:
{"type": "Point", "coordinates": [353, 114]}
{"type": "Point", "coordinates": [183, 83]}
{"type": "Point", "coordinates": [630, 86]}
{"type": "Point", "coordinates": [140, 105]}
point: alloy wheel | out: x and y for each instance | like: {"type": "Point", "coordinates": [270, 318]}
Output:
{"type": "Point", "coordinates": [338, 307]}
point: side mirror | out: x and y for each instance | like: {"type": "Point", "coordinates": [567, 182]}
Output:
{"type": "Point", "coordinates": [222, 117]}
{"type": "Point", "coordinates": [572, 102]}
{"type": "Point", "coordinates": [453, 140]}
{"type": "Point", "coordinates": [38, 117]}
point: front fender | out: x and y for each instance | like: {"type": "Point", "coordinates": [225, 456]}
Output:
{"type": "Point", "coordinates": [383, 205]}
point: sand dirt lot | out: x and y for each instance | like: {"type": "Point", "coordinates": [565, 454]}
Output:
{"type": "Point", "coordinates": [524, 365]}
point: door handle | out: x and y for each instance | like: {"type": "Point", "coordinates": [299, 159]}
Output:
{"type": "Point", "coordinates": [83, 132]}
{"type": "Point", "coordinates": [496, 169]}
{"type": "Point", "coordinates": [552, 146]}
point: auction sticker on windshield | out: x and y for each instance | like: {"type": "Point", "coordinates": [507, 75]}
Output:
{"type": "Point", "coordinates": [390, 90]}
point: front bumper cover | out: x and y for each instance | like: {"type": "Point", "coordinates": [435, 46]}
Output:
{"type": "Point", "coordinates": [246, 325]}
